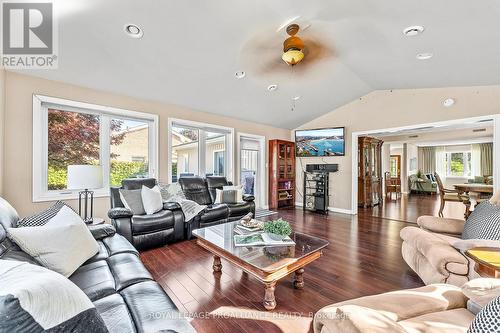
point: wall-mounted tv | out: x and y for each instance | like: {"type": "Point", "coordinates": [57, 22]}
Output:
{"type": "Point", "coordinates": [320, 142]}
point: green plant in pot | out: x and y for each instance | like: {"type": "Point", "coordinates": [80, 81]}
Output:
{"type": "Point", "coordinates": [277, 229]}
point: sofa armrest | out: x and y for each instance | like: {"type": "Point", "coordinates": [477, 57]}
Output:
{"type": "Point", "coordinates": [101, 231]}
{"type": "Point", "coordinates": [437, 250]}
{"type": "Point", "coordinates": [354, 319]}
{"type": "Point", "coordinates": [441, 225]}
{"type": "Point", "coordinates": [121, 218]}
{"type": "Point", "coordinates": [248, 197]}
{"type": "Point", "coordinates": [381, 313]}
{"type": "Point", "coordinates": [120, 212]}
{"type": "Point", "coordinates": [171, 205]}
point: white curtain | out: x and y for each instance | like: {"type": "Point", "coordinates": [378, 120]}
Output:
{"type": "Point", "coordinates": [475, 160]}
{"type": "Point", "coordinates": [441, 161]}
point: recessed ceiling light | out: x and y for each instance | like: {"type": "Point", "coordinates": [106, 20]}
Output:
{"type": "Point", "coordinates": [413, 30]}
{"type": "Point", "coordinates": [240, 74]}
{"type": "Point", "coordinates": [272, 87]}
{"type": "Point", "coordinates": [424, 56]}
{"type": "Point", "coordinates": [133, 31]}
{"type": "Point", "coordinates": [448, 102]}
{"type": "Point", "coordinates": [295, 98]}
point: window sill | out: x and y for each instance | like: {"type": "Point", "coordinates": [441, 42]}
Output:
{"type": "Point", "coordinates": [73, 195]}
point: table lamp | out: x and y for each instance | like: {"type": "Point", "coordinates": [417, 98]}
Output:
{"type": "Point", "coordinates": [85, 178]}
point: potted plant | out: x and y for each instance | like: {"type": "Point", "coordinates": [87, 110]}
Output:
{"type": "Point", "coordinates": [277, 229]}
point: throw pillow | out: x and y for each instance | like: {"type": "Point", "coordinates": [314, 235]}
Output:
{"type": "Point", "coordinates": [228, 196]}
{"type": "Point", "coordinates": [483, 222]}
{"type": "Point", "coordinates": [35, 299]}
{"type": "Point", "coordinates": [132, 200]}
{"type": "Point", "coordinates": [43, 217]}
{"type": "Point", "coordinates": [151, 199]}
{"type": "Point", "coordinates": [486, 320]}
{"type": "Point", "coordinates": [61, 245]}
{"type": "Point", "coordinates": [171, 191]}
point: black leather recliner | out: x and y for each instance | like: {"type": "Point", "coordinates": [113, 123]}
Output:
{"type": "Point", "coordinates": [145, 231]}
{"type": "Point", "coordinates": [203, 191]}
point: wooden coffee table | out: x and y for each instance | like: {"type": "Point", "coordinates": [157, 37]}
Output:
{"type": "Point", "coordinates": [487, 261]}
{"type": "Point", "coordinates": [267, 264]}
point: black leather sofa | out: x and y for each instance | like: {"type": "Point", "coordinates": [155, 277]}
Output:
{"type": "Point", "coordinates": [122, 290]}
{"type": "Point", "coordinates": [203, 191]}
{"type": "Point", "coordinates": [145, 231]}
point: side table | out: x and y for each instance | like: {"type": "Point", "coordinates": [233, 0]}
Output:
{"type": "Point", "coordinates": [487, 261]}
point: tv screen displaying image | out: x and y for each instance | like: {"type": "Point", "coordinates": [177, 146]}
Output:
{"type": "Point", "coordinates": [320, 142]}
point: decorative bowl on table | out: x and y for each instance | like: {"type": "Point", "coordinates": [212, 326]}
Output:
{"type": "Point", "coordinates": [252, 223]}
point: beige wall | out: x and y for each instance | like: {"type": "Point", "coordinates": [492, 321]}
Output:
{"type": "Point", "coordinates": [387, 109]}
{"type": "Point", "coordinates": [2, 128]}
{"type": "Point", "coordinates": [18, 131]}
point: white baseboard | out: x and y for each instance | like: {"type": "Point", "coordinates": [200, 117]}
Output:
{"type": "Point", "coordinates": [332, 209]}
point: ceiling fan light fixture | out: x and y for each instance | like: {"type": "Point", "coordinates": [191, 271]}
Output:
{"type": "Point", "coordinates": [293, 46]}
{"type": "Point", "coordinates": [293, 56]}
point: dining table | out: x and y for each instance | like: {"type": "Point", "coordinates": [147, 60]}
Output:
{"type": "Point", "coordinates": [467, 188]}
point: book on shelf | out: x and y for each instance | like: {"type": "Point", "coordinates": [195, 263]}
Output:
{"type": "Point", "coordinates": [261, 239]}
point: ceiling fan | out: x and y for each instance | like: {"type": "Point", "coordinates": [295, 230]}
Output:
{"type": "Point", "coordinates": [296, 43]}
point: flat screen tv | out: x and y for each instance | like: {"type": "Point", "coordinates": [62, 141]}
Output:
{"type": "Point", "coordinates": [320, 142]}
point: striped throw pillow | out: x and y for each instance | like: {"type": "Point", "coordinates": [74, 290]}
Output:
{"type": "Point", "coordinates": [43, 217]}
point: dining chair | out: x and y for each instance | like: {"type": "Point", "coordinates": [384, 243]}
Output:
{"type": "Point", "coordinates": [451, 195]}
{"type": "Point", "coordinates": [392, 185]}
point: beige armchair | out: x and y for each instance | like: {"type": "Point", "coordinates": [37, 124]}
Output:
{"type": "Point", "coordinates": [428, 250]}
{"type": "Point", "coordinates": [437, 308]}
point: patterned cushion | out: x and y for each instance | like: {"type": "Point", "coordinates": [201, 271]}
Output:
{"type": "Point", "coordinates": [483, 222]}
{"type": "Point", "coordinates": [488, 319]}
{"type": "Point", "coordinates": [171, 192]}
{"type": "Point", "coordinates": [36, 299]}
{"type": "Point", "coordinates": [43, 217]}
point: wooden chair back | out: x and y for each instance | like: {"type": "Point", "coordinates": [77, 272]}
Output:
{"type": "Point", "coordinates": [439, 183]}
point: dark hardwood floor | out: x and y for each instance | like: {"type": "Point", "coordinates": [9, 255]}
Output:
{"type": "Point", "coordinates": [409, 207]}
{"type": "Point", "coordinates": [363, 258]}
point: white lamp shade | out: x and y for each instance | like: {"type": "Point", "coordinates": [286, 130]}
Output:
{"type": "Point", "coordinates": [82, 177]}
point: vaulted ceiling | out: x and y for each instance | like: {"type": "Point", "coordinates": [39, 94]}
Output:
{"type": "Point", "coordinates": [191, 50]}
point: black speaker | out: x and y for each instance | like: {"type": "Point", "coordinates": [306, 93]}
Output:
{"type": "Point", "coordinates": [322, 167]}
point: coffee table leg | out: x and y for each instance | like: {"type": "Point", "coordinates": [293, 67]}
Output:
{"type": "Point", "coordinates": [269, 300]}
{"type": "Point", "coordinates": [298, 281]}
{"type": "Point", "coordinates": [217, 266]}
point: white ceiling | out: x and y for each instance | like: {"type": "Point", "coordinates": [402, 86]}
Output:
{"type": "Point", "coordinates": [191, 50]}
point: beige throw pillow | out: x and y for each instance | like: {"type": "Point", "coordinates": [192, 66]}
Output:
{"type": "Point", "coordinates": [151, 199]}
{"type": "Point", "coordinates": [62, 245]}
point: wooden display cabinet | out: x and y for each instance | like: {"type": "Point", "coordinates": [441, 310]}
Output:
{"type": "Point", "coordinates": [281, 174]}
{"type": "Point", "coordinates": [369, 171]}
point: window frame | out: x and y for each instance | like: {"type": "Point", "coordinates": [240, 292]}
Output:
{"type": "Point", "coordinates": [42, 103]}
{"type": "Point", "coordinates": [202, 128]}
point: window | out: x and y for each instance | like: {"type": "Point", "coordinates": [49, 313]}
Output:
{"type": "Point", "coordinates": [458, 164]}
{"type": "Point", "coordinates": [67, 133]}
{"type": "Point", "coordinates": [198, 149]}
{"type": "Point", "coordinates": [184, 151]}
{"type": "Point", "coordinates": [395, 166]}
